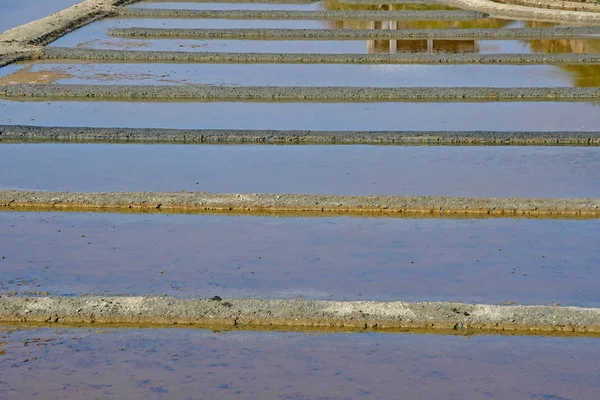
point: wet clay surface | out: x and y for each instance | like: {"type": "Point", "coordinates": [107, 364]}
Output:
{"type": "Point", "coordinates": [180, 363]}
{"type": "Point", "coordinates": [303, 75]}
{"type": "Point", "coordinates": [347, 170]}
{"type": "Point", "coordinates": [490, 261]}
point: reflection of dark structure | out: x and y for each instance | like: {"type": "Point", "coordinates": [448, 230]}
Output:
{"type": "Point", "coordinates": [417, 46]}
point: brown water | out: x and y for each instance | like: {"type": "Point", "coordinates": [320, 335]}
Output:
{"type": "Point", "coordinates": [559, 172]}
{"type": "Point", "coordinates": [191, 364]}
{"type": "Point", "coordinates": [479, 260]}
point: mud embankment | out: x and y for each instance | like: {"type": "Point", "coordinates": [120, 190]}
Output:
{"type": "Point", "coordinates": [68, 53]}
{"type": "Point", "coordinates": [299, 203]}
{"type": "Point", "coordinates": [23, 133]}
{"type": "Point", "coordinates": [358, 34]}
{"type": "Point", "coordinates": [293, 93]}
{"type": "Point", "coordinates": [376, 15]}
{"type": "Point", "coordinates": [255, 313]}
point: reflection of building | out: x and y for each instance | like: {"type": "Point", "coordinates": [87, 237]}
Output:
{"type": "Point", "coordinates": [417, 46]}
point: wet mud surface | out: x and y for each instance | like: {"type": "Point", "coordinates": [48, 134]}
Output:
{"type": "Point", "coordinates": [517, 116]}
{"type": "Point", "coordinates": [297, 75]}
{"type": "Point", "coordinates": [347, 170]}
{"type": "Point", "coordinates": [180, 363]}
{"type": "Point", "coordinates": [332, 258]}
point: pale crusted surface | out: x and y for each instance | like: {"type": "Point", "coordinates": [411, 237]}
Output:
{"type": "Point", "coordinates": [585, 5]}
{"type": "Point", "coordinates": [50, 28]}
{"type": "Point", "coordinates": [254, 202]}
{"type": "Point", "coordinates": [299, 313]}
{"type": "Point", "coordinates": [11, 52]}
{"type": "Point", "coordinates": [21, 133]}
{"type": "Point", "coordinates": [517, 11]}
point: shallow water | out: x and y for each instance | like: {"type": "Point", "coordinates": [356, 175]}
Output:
{"type": "Point", "coordinates": [213, 23]}
{"type": "Point", "coordinates": [17, 12]}
{"type": "Point", "coordinates": [480, 260]}
{"type": "Point", "coordinates": [512, 116]}
{"type": "Point", "coordinates": [94, 36]}
{"type": "Point", "coordinates": [326, 46]}
{"type": "Point", "coordinates": [231, 6]}
{"type": "Point", "coordinates": [301, 75]}
{"type": "Point", "coordinates": [559, 172]}
{"type": "Point", "coordinates": [181, 363]}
